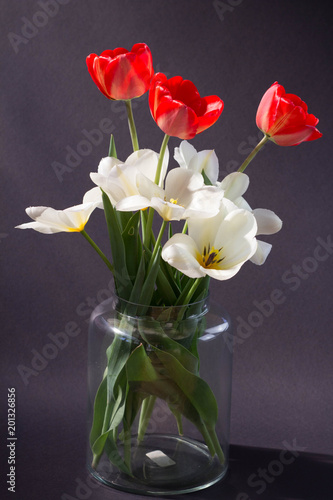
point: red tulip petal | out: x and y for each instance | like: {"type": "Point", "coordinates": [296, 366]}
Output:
{"type": "Point", "coordinates": [297, 101]}
{"type": "Point", "coordinates": [295, 138]}
{"type": "Point", "coordinates": [315, 135]}
{"type": "Point", "coordinates": [213, 109]}
{"type": "Point", "coordinates": [284, 118]}
{"type": "Point", "coordinates": [312, 120]}
{"type": "Point", "coordinates": [158, 92]}
{"type": "Point", "coordinates": [178, 109]}
{"type": "Point", "coordinates": [121, 74]}
{"type": "Point", "coordinates": [176, 119]}
{"type": "Point", "coordinates": [268, 107]}
{"type": "Point", "coordinates": [93, 68]}
{"type": "Point", "coordinates": [189, 95]}
{"type": "Point", "coordinates": [119, 51]}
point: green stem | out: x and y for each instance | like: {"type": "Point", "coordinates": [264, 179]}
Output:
{"type": "Point", "coordinates": [253, 153]}
{"type": "Point", "coordinates": [217, 446]}
{"type": "Point", "coordinates": [191, 291]}
{"type": "Point", "coordinates": [184, 292]}
{"type": "Point", "coordinates": [98, 250]}
{"type": "Point", "coordinates": [157, 244]}
{"type": "Point", "coordinates": [131, 125]}
{"type": "Point", "coordinates": [206, 435]}
{"type": "Point", "coordinates": [106, 423]}
{"type": "Point", "coordinates": [178, 417]}
{"type": "Point", "coordinates": [127, 449]}
{"type": "Point", "coordinates": [143, 217]}
{"type": "Point", "coordinates": [184, 231]}
{"type": "Point", "coordinates": [148, 233]}
{"type": "Point", "coordinates": [149, 226]}
{"type": "Point", "coordinates": [146, 411]}
{"type": "Point", "coordinates": [160, 160]}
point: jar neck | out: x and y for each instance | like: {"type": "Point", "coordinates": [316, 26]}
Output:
{"type": "Point", "coordinates": [162, 313]}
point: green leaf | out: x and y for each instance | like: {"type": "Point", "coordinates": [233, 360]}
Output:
{"type": "Point", "coordinates": [122, 280]}
{"type": "Point", "coordinates": [145, 375]}
{"type": "Point", "coordinates": [117, 355]}
{"type": "Point", "coordinates": [123, 218]}
{"type": "Point", "coordinates": [165, 289]}
{"type": "Point", "coordinates": [139, 367]}
{"type": "Point", "coordinates": [206, 180]}
{"type": "Point", "coordinates": [131, 239]}
{"type": "Point", "coordinates": [195, 388]}
{"type": "Point", "coordinates": [99, 411]}
{"type": "Point", "coordinates": [112, 147]}
{"type": "Point", "coordinates": [152, 332]}
{"type": "Point", "coordinates": [149, 284]}
{"type": "Point", "coordinates": [113, 416]}
{"type": "Point", "coordinates": [114, 456]}
{"type": "Point", "coordinates": [131, 307]}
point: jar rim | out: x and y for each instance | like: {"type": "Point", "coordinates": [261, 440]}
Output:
{"type": "Point", "coordinates": [179, 306]}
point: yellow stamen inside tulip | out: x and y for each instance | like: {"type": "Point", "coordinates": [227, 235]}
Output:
{"type": "Point", "coordinates": [77, 229]}
{"type": "Point", "coordinates": [175, 202]}
{"type": "Point", "coordinates": [210, 257]}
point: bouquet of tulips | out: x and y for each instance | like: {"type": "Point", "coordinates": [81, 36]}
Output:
{"type": "Point", "coordinates": [220, 231]}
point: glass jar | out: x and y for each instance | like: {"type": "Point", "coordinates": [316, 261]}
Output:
{"type": "Point", "coordinates": [159, 391]}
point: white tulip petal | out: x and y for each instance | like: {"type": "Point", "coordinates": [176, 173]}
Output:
{"type": "Point", "coordinates": [240, 202]}
{"type": "Point", "coordinates": [261, 253]}
{"type": "Point", "coordinates": [234, 185]}
{"type": "Point", "coordinates": [203, 230]}
{"type": "Point", "coordinates": [49, 221]}
{"type": "Point", "coordinates": [133, 203]}
{"type": "Point", "coordinates": [40, 228]}
{"type": "Point", "coordinates": [237, 224]}
{"type": "Point", "coordinates": [237, 252]}
{"type": "Point", "coordinates": [107, 164]}
{"type": "Point", "coordinates": [181, 183]}
{"type": "Point", "coordinates": [148, 188]}
{"type": "Point", "coordinates": [146, 160]}
{"type": "Point", "coordinates": [208, 162]}
{"type": "Point", "coordinates": [120, 183]}
{"type": "Point", "coordinates": [268, 222]}
{"type": "Point", "coordinates": [205, 203]}
{"type": "Point", "coordinates": [181, 252]}
{"type": "Point", "coordinates": [94, 195]}
{"type": "Point", "coordinates": [188, 158]}
{"type": "Point", "coordinates": [184, 154]}
{"type": "Point", "coordinates": [223, 274]}
{"type": "Point", "coordinates": [168, 211]}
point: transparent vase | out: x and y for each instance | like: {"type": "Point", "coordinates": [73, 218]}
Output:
{"type": "Point", "coordinates": [159, 391]}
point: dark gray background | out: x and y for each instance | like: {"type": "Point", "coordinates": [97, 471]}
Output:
{"type": "Point", "coordinates": [282, 379]}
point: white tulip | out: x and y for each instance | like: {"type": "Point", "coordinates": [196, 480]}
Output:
{"type": "Point", "coordinates": [217, 246]}
{"type": "Point", "coordinates": [118, 179]}
{"type": "Point", "coordinates": [188, 157]}
{"type": "Point", "coordinates": [234, 186]}
{"type": "Point", "coordinates": [184, 196]}
{"type": "Point", "coordinates": [49, 221]}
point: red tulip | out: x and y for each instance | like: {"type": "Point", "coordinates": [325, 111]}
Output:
{"type": "Point", "coordinates": [284, 118]}
{"type": "Point", "coordinates": [178, 109]}
{"type": "Point", "coordinates": [121, 74]}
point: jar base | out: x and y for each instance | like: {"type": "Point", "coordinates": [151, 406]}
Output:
{"type": "Point", "coordinates": [165, 465]}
